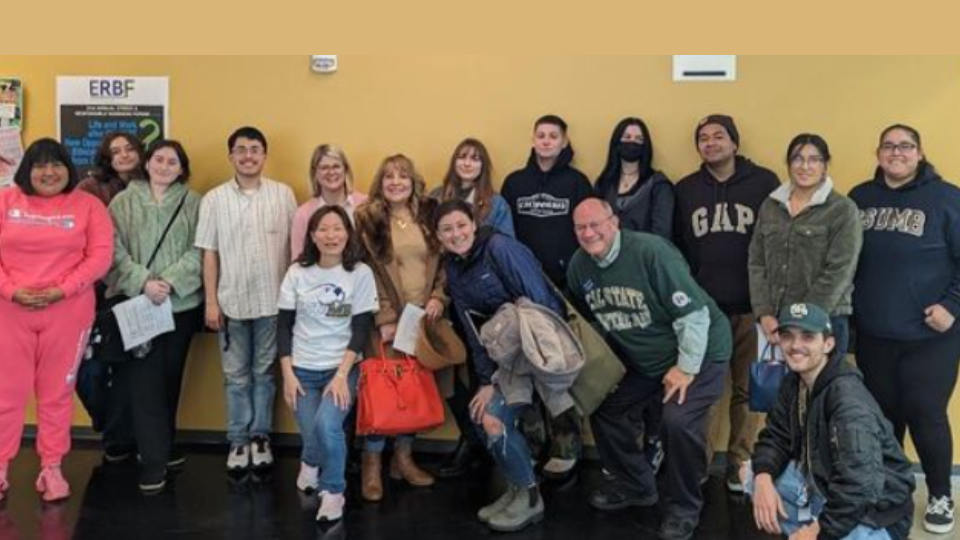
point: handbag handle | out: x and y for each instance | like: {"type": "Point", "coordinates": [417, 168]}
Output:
{"type": "Point", "coordinates": [771, 350]}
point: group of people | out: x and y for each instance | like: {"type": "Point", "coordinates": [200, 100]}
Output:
{"type": "Point", "coordinates": [680, 279]}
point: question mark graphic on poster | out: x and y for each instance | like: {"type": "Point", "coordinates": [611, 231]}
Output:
{"type": "Point", "coordinates": [154, 131]}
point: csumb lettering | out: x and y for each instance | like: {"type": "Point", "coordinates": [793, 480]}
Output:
{"type": "Point", "coordinates": [722, 220]}
{"type": "Point", "coordinates": [619, 308]}
{"type": "Point", "coordinates": [903, 220]}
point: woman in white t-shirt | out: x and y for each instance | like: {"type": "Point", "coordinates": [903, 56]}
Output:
{"type": "Point", "coordinates": [327, 302]}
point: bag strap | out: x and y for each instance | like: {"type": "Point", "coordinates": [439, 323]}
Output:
{"type": "Point", "coordinates": [771, 351]}
{"type": "Point", "coordinates": [163, 236]}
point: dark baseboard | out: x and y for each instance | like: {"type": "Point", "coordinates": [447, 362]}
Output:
{"type": "Point", "coordinates": [292, 440]}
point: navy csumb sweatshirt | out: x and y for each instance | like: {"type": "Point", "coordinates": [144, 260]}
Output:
{"type": "Point", "coordinates": [911, 255]}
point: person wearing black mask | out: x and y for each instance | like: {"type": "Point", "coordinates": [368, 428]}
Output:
{"type": "Point", "coordinates": [641, 196]}
{"type": "Point", "coordinates": [643, 199]}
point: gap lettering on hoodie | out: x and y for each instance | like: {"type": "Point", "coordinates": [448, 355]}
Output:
{"type": "Point", "coordinates": [543, 205]}
{"type": "Point", "coordinates": [722, 222]}
{"type": "Point", "coordinates": [903, 220]}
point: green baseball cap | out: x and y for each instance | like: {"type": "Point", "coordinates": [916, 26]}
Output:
{"type": "Point", "coordinates": [808, 317]}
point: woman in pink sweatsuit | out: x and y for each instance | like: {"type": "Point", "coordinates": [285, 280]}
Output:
{"type": "Point", "coordinates": [55, 243]}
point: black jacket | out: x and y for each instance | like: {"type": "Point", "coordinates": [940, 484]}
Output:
{"type": "Point", "coordinates": [542, 205]}
{"type": "Point", "coordinates": [647, 208]}
{"type": "Point", "coordinates": [715, 223]}
{"type": "Point", "coordinates": [855, 460]}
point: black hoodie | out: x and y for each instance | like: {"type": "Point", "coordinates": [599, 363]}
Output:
{"type": "Point", "coordinates": [715, 222]}
{"type": "Point", "coordinates": [542, 205]}
{"type": "Point", "coordinates": [911, 255]}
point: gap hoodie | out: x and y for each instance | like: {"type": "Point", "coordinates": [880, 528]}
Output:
{"type": "Point", "coordinates": [542, 205]}
{"type": "Point", "coordinates": [911, 255]}
{"type": "Point", "coordinates": [714, 225]}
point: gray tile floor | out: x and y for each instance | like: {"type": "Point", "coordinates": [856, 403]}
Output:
{"type": "Point", "coordinates": [920, 499]}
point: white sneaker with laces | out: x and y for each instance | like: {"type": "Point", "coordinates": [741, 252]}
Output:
{"type": "Point", "coordinates": [939, 516]}
{"type": "Point", "coordinates": [331, 506]}
{"type": "Point", "coordinates": [307, 479]}
{"type": "Point", "coordinates": [239, 458]}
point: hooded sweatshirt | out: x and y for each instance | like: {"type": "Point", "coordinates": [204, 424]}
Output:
{"type": "Point", "coordinates": [542, 205]}
{"type": "Point", "coordinates": [715, 223]}
{"type": "Point", "coordinates": [911, 255]}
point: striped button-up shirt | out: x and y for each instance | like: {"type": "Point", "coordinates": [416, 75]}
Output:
{"type": "Point", "coordinates": [251, 234]}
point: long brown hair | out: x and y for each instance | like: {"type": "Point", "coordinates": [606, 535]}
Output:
{"type": "Point", "coordinates": [483, 185]}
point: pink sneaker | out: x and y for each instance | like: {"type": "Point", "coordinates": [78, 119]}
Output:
{"type": "Point", "coordinates": [52, 485]}
{"type": "Point", "coordinates": [4, 484]}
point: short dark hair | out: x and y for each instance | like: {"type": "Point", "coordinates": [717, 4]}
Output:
{"type": "Point", "coordinates": [805, 139]}
{"type": "Point", "coordinates": [353, 252]}
{"type": "Point", "coordinates": [181, 155]}
{"type": "Point", "coordinates": [42, 152]}
{"type": "Point", "coordinates": [104, 159]}
{"type": "Point", "coordinates": [448, 207]}
{"type": "Point", "coordinates": [553, 120]}
{"type": "Point", "coordinates": [247, 132]}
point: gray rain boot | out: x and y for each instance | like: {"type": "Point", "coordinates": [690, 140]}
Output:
{"type": "Point", "coordinates": [525, 509]}
{"type": "Point", "coordinates": [487, 512]}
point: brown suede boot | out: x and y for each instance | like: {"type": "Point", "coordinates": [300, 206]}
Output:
{"type": "Point", "coordinates": [371, 484]}
{"type": "Point", "coordinates": [402, 467]}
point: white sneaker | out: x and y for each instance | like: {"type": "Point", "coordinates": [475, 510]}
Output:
{"type": "Point", "coordinates": [331, 506]}
{"type": "Point", "coordinates": [239, 458]}
{"type": "Point", "coordinates": [938, 518]}
{"type": "Point", "coordinates": [307, 479]}
{"type": "Point", "coordinates": [559, 466]}
{"type": "Point", "coordinates": [262, 455]}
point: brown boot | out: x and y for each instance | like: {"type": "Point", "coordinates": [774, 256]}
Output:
{"type": "Point", "coordinates": [403, 467]}
{"type": "Point", "coordinates": [371, 485]}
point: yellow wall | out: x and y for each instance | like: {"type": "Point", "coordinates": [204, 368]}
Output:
{"type": "Point", "coordinates": [423, 105]}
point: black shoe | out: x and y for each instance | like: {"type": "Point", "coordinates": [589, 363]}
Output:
{"type": "Point", "coordinates": [118, 453]}
{"type": "Point", "coordinates": [677, 528]}
{"type": "Point", "coordinates": [177, 459]}
{"type": "Point", "coordinates": [152, 480]}
{"type": "Point", "coordinates": [613, 496]}
{"type": "Point", "coordinates": [464, 459]}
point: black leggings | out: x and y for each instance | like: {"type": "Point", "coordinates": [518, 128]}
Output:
{"type": "Point", "coordinates": [913, 382]}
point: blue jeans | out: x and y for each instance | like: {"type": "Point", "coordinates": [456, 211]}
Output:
{"type": "Point", "coordinates": [792, 487]}
{"type": "Point", "coordinates": [376, 443]}
{"type": "Point", "coordinates": [841, 333]}
{"type": "Point", "coordinates": [510, 449]}
{"type": "Point", "coordinates": [321, 426]}
{"type": "Point", "coordinates": [248, 350]}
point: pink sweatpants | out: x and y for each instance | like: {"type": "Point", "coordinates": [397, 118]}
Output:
{"type": "Point", "coordinates": [40, 352]}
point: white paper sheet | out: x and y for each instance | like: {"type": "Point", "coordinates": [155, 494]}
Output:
{"type": "Point", "coordinates": [141, 320]}
{"type": "Point", "coordinates": [408, 329]}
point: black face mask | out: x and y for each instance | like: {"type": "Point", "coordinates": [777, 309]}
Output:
{"type": "Point", "coordinates": [631, 152]}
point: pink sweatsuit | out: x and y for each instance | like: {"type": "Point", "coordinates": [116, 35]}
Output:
{"type": "Point", "coordinates": [64, 242]}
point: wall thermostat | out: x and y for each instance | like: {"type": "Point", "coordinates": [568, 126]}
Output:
{"type": "Point", "coordinates": [323, 63]}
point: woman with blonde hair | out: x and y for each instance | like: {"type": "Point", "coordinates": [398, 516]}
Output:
{"type": "Point", "coordinates": [331, 183]}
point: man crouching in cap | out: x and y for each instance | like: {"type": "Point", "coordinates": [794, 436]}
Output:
{"type": "Point", "coordinates": [827, 465]}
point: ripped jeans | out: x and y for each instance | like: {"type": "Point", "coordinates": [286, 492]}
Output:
{"type": "Point", "coordinates": [510, 449]}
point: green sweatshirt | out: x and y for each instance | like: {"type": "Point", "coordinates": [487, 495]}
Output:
{"type": "Point", "coordinates": [138, 223]}
{"type": "Point", "coordinates": [640, 297]}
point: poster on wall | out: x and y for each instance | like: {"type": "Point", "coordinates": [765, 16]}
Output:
{"type": "Point", "coordinates": [90, 107]}
{"type": "Point", "coordinates": [11, 123]}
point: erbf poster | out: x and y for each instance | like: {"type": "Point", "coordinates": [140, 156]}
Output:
{"type": "Point", "coordinates": [90, 107]}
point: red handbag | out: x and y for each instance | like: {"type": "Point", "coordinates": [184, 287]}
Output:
{"type": "Point", "coordinates": [397, 397]}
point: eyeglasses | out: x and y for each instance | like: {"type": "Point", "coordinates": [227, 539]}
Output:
{"type": "Point", "coordinates": [903, 148]}
{"type": "Point", "coordinates": [581, 228]}
{"type": "Point", "coordinates": [799, 161]}
{"type": "Point", "coordinates": [329, 168]}
{"type": "Point", "coordinates": [252, 151]}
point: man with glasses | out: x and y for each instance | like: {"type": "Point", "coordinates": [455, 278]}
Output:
{"type": "Point", "coordinates": [717, 208]}
{"type": "Point", "coordinates": [244, 230]}
{"type": "Point", "coordinates": [675, 343]}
